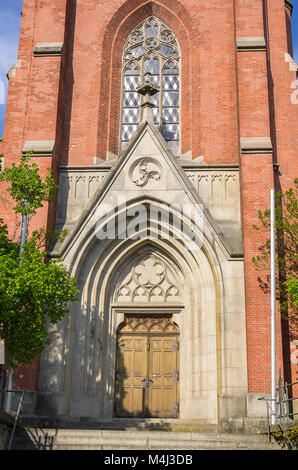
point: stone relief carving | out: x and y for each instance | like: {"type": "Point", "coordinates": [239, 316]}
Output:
{"type": "Point", "coordinates": [94, 182]}
{"type": "Point", "coordinates": [192, 177]}
{"type": "Point", "coordinates": [76, 187]}
{"type": "Point", "coordinates": [145, 324]}
{"type": "Point", "coordinates": [149, 281]}
{"type": "Point", "coordinates": [214, 184]}
{"type": "Point", "coordinates": [80, 183]}
{"type": "Point", "coordinates": [144, 170]}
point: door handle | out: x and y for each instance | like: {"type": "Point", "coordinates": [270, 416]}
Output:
{"type": "Point", "coordinates": [175, 375]}
{"type": "Point", "coordinates": [144, 382]}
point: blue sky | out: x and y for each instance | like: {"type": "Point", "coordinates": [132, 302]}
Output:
{"type": "Point", "coordinates": [10, 20]}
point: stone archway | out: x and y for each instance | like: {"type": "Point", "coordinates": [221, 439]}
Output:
{"type": "Point", "coordinates": [111, 287]}
{"type": "Point", "coordinates": [147, 352]}
{"type": "Point", "coordinates": [116, 286]}
{"type": "Point", "coordinates": [146, 289]}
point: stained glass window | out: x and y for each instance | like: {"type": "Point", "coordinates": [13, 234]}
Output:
{"type": "Point", "coordinates": [152, 47]}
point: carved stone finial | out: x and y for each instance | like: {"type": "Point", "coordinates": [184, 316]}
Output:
{"type": "Point", "coordinates": [147, 90]}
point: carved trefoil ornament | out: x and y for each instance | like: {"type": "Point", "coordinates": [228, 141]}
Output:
{"type": "Point", "coordinates": [149, 281]}
{"type": "Point", "coordinates": [144, 170]}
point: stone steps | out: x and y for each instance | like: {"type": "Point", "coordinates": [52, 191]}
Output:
{"type": "Point", "coordinates": [84, 439]}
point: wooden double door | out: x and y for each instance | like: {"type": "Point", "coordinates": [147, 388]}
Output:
{"type": "Point", "coordinates": [147, 368]}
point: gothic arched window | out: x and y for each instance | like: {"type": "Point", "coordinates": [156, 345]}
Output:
{"type": "Point", "coordinates": [152, 47]}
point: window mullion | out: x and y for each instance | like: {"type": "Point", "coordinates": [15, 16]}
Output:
{"type": "Point", "coordinates": [160, 91]}
{"type": "Point", "coordinates": [168, 59]}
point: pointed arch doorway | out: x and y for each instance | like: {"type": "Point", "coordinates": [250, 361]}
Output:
{"type": "Point", "coordinates": [147, 367]}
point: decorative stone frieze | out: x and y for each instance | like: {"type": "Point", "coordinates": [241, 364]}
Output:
{"type": "Point", "coordinates": [219, 190]}
{"type": "Point", "coordinates": [216, 185]}
{"type": "Point", "coordinates": [77, 185]}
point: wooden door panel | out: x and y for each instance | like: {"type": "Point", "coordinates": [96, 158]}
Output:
{"type": "Point", "coordinates": [163, 363]}
{"type": "Point", "coordinates": [147, 373]}
{"type": "Point", "coordinates": [131, 368]}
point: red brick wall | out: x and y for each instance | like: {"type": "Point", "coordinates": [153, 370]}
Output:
{"type": "Point", "coordinates": [284, 114]}
{"type": "Point", "coordinates": [75, 100]}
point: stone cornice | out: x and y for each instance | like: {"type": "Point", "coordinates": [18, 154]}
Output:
{"type": "Point", "coordinates": [215, 166]}
{"type": "Point", "coordinates": [47, 49]}
{"type": "Point", "coordinates": [250, 44]}
{"type": "Point", "coordinates": [256, 145]}
{"type": "Point", "coordinates": [40, 148]}
{"type": "Point", "coordinates": [86, 168]}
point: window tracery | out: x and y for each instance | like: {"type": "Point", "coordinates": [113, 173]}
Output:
{"type": "Point", "coordinates": [152, 47]}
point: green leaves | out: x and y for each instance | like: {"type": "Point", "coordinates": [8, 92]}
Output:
{"type": "Point", "coordinates": [25, 184]}
{"type": "Point", "coordinates": [292, 290]}
{"type": "Point", "coordinates": [286, 215]}
{"type": "Point", "coordinates": [31, 295]}
{"type": "Point", "coordinates": [36, 291]}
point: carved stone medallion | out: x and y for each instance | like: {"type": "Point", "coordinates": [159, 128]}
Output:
{"type": "Point", "coordinates": [144, 170]}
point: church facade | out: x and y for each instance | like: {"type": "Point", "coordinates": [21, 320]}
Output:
{"type": "Point", "coordinates": [166, 124]}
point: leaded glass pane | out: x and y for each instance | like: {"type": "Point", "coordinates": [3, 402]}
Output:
{"type": "Point", "coordinates": [152, 47]}
{"type": "Point", "coordinates": [167, 51]}
{"type": "Point", "coordinates": [152, 65]}
{"type": "Point", "coordinates": [170, 115]}
{"type": "Point", "coordinates": [131, 115]}
{"type": "Point", "coordinates": [155, 100]}
{"type": "Point", "coordinates": [131, 99]}
{"type": "Point", "coordinates": [171, 82]}
{"type": "Point", "coordinates": [170, 98]}
{"type": "Point", "coordinates": [170, 131]}
{"type": "Point", "coordinates": [131, 82]}
{"type": "Point", "coordinates": [128, 131]}
{"type": "Point", "coordinates": [155, 113]}
{"type": "Point", "coordinates": [151, 28]}
{"type": "Point", "coordinates": [137, 51]}
{"type": "Point", "coordinates": [154, 79]}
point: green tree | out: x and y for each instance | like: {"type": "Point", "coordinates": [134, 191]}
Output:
{"type": "Point", "coordinates": [34, 290]}
{"type": "Point", "coordinates": [26, 184]}
{"type": "Point", "coordinates": [286, 211]}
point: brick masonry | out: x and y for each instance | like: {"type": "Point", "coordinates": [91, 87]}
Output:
{"type": "Point", "coordinates": [74, 100]}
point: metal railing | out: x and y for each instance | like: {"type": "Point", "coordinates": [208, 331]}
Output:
{"type": "Point", "coordinates": [17, 415]}
{"type": "Point", "coordinates": [284, 409]}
